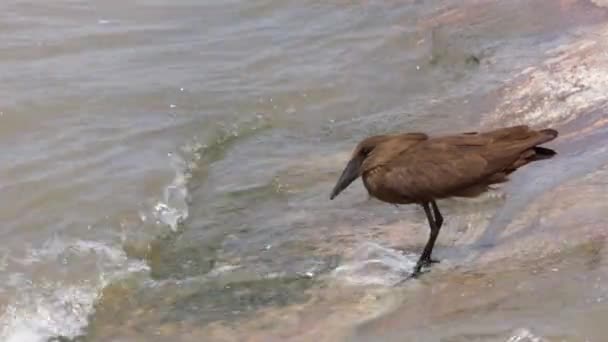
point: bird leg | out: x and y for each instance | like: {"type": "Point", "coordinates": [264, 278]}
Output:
{"type": "Point", "coordinates": [435, 224]}
{"type": "Point", "coordinates": [438, 221]}
{"type": "Point", "coordinates": [437, 215]}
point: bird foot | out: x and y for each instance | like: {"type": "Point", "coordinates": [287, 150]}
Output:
{"type": "Point", "coordinates": [423, 263]}
{"type": "Point", "coordinates": [407, 277]}
{"type": "Point", "coordinates": [433, 261]}
{"type": "Point", "coordinates": [415, 274]}
{"type": "Point", "coordinates": [418, 269]}
{"type": "Point", "coordinates": [427, 262]}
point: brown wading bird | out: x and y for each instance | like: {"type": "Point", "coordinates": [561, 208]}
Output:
{"type": "Point", "coordinates": [415, 168]}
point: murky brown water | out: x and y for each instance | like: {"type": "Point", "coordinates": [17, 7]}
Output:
{"type": "Point", "coordinates": [166, 168]}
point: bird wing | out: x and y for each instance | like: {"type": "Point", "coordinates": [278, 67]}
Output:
{"type": "Point", "coordinates": [445, 166]}
{"type": "Point", "coordinates": [436, 170]}
{"type": "Point", "coordinates": [384, 152]}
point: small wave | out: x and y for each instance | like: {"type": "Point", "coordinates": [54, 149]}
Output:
{"type": "Point", "coordinates": [172, 209]}
{"type": "Point", "coordinates": [373, 264]}
{"type": "Point", "coordinates": [45, 307]}
{"type": "Point", "coordinates": [53, 306]}
{"type": "Point", "coordinates": [226, 135]}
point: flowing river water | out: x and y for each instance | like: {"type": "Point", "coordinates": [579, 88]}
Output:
{"type": "Point", "coordinates": [166, 167]}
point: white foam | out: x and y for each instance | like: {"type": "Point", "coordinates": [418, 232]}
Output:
{"type": "Point", "coordinates": [48, 310]}
{"type": "Point", "coordinates": [44, 308]}
{"type": "Point", "coordinates": [373, 264]}
{"type": "Point", "coordinates": [525, 335]}
{"type": "Point", "coordinates": [25, 335]}
{"type": "Point", "coordinates": [64, 248]}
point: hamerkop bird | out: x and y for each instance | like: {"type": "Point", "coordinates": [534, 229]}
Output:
{"type": "Point", "coordinates": [415, 168]}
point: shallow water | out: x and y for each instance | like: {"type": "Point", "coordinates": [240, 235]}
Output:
{"type": "Point", "coordinates": [167, 168]}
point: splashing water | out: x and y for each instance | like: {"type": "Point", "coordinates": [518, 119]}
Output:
{"type": "Point", "coordinates": [373, 264]}
{"type": "Point", "coordinates": [172, 209]}
{"type": "Point", "coordinates": [47, 307]}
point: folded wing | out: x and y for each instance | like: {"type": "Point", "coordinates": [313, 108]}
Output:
{"type": "Point", "coordinates": [463, 165]}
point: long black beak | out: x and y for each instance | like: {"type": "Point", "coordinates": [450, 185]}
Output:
{"type": "Point", "coordinates": [350, 173]}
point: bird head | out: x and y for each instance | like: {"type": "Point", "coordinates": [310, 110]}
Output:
{"type": "Point", "coordinates": [353, 169]}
